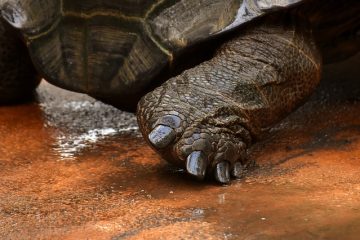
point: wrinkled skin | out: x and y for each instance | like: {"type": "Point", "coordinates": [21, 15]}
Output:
{"type": "Point", "coordinates": [205, 119]}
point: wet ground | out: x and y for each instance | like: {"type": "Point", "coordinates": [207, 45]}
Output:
{"type": "Point", "coordinates": [74, 168]}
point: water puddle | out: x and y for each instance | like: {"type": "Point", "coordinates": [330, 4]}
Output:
{"type": "Point", "coordinates": [81, 121]}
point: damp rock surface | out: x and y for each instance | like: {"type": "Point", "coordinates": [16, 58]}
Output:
{"type": "Point", "coordinates": [74, 168]}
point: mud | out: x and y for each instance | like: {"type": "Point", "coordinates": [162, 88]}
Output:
{"type": "Point", "coordinates": [74, 168]}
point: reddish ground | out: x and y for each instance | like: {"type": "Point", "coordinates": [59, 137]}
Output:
{"type": "Point", "coordinates": [73, 168]}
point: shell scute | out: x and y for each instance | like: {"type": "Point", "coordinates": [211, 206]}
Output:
{"type": "Point", "coordinates": [106, 47]}
{"type": "Point", "coordinates": [28, 15]}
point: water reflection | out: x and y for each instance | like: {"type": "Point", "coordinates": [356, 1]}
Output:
{"type": "Point", "coordinates": [80, 120]}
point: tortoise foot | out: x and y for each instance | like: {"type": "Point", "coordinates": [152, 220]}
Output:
{"type": "Point", "coordinates": [210, 150]}
{"type": "Point", "coordinates": [206, 146]}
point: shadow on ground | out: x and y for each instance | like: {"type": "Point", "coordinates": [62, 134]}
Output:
{"type": "Point", "coordinates": [74, 168]}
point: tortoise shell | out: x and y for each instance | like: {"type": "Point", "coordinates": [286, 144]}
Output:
{"type": "Point", "coordinates": [116, 48]}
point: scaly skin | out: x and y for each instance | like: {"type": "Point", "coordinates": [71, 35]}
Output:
{"type": "Point", "coordinates": [205, 118]}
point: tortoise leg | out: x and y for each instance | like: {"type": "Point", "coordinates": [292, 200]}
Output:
{"type": "Point", "coordinates": [205, 118]}
{"type": "Point", "coordinates": [18, 78]}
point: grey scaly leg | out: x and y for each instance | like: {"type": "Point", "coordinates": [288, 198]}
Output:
{"type": "Point", "coordinates": [205, 118]}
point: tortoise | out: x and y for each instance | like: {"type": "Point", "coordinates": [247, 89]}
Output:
{"type": "Point", "coordinates": [207, 76]}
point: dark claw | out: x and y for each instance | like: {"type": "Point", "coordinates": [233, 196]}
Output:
{"type": "Point", "coordinates": [222, 170]}
{"type": "Point", "coordinates": [238, 170]}
{"type": "Point", "coordinates": [162, 136]}
{"type": "Point", "coordinates": [196, 164]}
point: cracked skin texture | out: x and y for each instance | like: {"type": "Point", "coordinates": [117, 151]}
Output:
{"type": "Point", "coordinates": [220, 107]}
{"type": "Point", "coordinates": [206, 118]}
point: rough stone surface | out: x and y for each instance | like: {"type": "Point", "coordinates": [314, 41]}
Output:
{"type": "Point", "coordinates": [73, 168]}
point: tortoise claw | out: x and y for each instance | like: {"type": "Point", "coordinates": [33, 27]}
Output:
{"type": "Point", "coordinates": [161, 136]}
{"type": "Point", "coordinates": [238, 170]}
{"type": "Point", "coordinates": [196, 164]}
{"type": "Point", "coordinates": [222, 170]}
